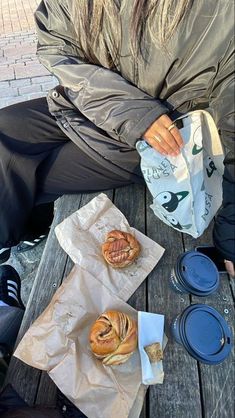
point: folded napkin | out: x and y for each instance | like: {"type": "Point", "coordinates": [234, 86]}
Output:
{"type": "Point", "coordinates": [150, 331]}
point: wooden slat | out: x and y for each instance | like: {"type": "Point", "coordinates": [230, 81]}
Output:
{"type": "Point", "coordinates": [179, 396]}
{"type": "Point", "coordinates": [217, 382]}
{"type": "Point", "coordinates": [24, 378]}
{"type": "Point", "coordinates": [131, 202]}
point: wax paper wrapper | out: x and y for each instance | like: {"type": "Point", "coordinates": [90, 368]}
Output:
{"type": "Point", "coordinates": [58, 341]}
{"type": "Point", "coordinates": [82, 234]}
{"type": "Point", "coordinates": [150, 331]}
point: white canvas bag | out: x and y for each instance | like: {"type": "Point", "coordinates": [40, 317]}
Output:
{"type": "Point", "coordinates": [187, 189]}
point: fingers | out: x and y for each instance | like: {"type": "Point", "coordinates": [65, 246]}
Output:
{"type": "Point", "coordinates": [168, 141]}
{"type": "Point", "coordinates": [177, 136]}
{"type": "Point", "coordinates": [229, 267]}
{"type": "Point", "coordinates": [164, 136]}
{"type": "Point", "coordinates": [172, 129]}
{"type": "Point", "coordinates": [156, 145]}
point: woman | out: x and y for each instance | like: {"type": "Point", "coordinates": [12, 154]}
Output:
{"type": "Point", "coordinates": [125, 68]}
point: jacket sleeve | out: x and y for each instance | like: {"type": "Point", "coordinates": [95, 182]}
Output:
{"type": "Point", "coordinates": [223, 111]}
{"type": "Point", "coordinates": [103, 96]}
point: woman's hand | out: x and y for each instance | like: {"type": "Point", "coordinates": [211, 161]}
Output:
{"type": "Point", "coordinates": [229, 267]}
{"type": "Point", "coordinates": [164, 136]}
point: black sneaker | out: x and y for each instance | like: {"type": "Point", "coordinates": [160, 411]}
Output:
{"type": "Point", "coordinates": [5, 255]}
{"type": "Point", "coordinates": [10, 285]}
{"type": "Point", "coordinates": [31, 243]}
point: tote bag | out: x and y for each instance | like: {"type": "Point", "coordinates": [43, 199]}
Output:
{"type": "Point", "coordinates": [186, 189]}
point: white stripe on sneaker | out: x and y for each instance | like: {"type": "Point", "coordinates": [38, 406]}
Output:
{"type": "Point", "coordinates": [29, 243]}
{"type": "Point", "coordinates": [12, 283]}
{"type": "Point", "coordinates": [12, 289]}
{"type": "Point", "coordinates": [35, 241]}
{"type": "Point", "coordinates": [13, 296]}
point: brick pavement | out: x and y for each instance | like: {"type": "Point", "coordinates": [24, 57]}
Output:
{"type": "Point", "coordinates": [22, 77]}
{"type": "Point", "coordinates": [17, 15]}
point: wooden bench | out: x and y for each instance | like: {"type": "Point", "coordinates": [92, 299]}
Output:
{"type": "Point", "coordinates": [190, 389]}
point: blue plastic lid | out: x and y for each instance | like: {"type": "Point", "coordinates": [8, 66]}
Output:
{"type": "Point", "coordinates": [198, 271]}
{"type": "Point", "coordinates": [206, 334]}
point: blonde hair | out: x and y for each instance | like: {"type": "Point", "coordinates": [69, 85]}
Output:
{"type": "Point", "coordinates": [98, 25]}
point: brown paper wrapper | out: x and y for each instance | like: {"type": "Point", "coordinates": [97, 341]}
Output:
{"type": "Point", "coordinates": [58, 340]}
{"type": "Point", "coordinates": [82, 234]}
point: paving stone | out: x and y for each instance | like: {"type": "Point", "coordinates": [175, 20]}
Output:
{"type": "Point", "coordinates": [41, 80]}
{"type": "Point", "coordinates": [35, 62]}
{"type": "Point", "coordinates": [9, 62]}
{"type": "Point", "coordinates": [17, 15]}
{"type": "Point", "coordinates": [26, 58]}
{"type": "Point", "coordinates": [9, 48]}
{"type": "Point", "coordinates": [3, 60]}
{"type": "Point", "coordinates": [49, 86]}
{"type": "Point", "coordinates": [30, 89]}
{"type": "Point", "coordinates": [3, 103]}
{"type": "Point", "coordinates": [23, 60]}
{"type": "Point", "coordinates": [36, 95]}
{"type": "Point", "coordinates": [6, 73]}
{"type": "Point", "coordinates": [30, 70]}
{"type": "Point", "coordinates": [4, 84]}
{"type": "Point", "coordinates": [17, 99]}
{"type": "Point", "coordinates": [20, 83]}
{"type": "Point", "coordinates": [17, 52]}
{"type": "Point", "coordinates": [8, 92]}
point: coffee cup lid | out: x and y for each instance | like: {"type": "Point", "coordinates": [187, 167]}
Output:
{"type": "Point", "coordinates": [199, 271]}
{"type": "Point", "coordinates": [206, 334]}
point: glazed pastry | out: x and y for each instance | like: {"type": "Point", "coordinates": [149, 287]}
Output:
{"type": "Point", "coordinates": [120, 249]}
{"type": "Point", "coordinates": [113, 337]}
{"type": "Point", "coordinates": [154, 352]}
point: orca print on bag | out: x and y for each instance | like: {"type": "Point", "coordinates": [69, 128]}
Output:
{"type": "Point", "coordinates": [197, 141]}
{"type": "Point", "coordinates": [175, 223]}
{"type": "Point", "coordinates": [169, 200]}
{"type": "Point", "coordinates": [210, 166]}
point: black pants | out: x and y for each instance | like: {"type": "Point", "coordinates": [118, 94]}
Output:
{"type": "Point", "coordinates": [39, 163]}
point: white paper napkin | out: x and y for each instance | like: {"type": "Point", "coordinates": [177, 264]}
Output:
{"type": "Point", "coordinates": [150, 330]}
